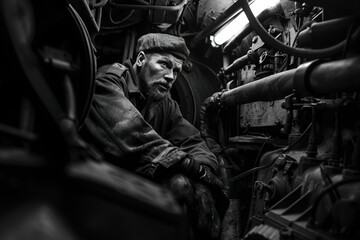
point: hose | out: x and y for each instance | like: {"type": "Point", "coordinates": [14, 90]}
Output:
{"type": "Point", "coordinates": [298, 52]}
{"type": "Point", "coordinates": [267, 13]}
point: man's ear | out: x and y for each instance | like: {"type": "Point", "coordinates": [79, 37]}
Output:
{"type": "Point", "coordinates": [140, 59]}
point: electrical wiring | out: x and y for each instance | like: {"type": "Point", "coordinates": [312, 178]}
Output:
{"type": "Point", "coordinates": [282, 151]}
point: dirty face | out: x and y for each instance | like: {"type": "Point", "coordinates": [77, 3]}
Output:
{"type": "Point", "coordinates": [158, 72]}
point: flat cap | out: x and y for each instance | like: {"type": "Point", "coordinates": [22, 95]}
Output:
{"type": "Point", "coordinates": [160, 42]}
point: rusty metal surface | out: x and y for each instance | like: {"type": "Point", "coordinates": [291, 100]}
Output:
{"type": "Point", "coordinates": [260, 114]}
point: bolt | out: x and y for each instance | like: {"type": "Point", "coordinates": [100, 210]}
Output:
{"type": "Point", "coordinates": [255, 39]}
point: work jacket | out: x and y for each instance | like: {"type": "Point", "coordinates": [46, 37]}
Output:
{"type": "Point", "coordinates": [137, 134]}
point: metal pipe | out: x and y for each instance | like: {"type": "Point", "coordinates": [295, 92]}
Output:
{"type": "Point", "coordinates": [270, 88]}
{"type": "Point", "coordinates": [314, 78]}
{"type": "Point", "coordinates": [318, 78]}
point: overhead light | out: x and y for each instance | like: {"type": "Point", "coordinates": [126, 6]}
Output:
{"type": "Point", "coordinates": [236, 25]}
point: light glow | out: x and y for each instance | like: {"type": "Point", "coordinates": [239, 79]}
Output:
{"type": "Point", "coordinates": [236, 26]}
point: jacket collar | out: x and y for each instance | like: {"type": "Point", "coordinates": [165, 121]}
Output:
{"type": "Point", "coordinates": [132, 80]}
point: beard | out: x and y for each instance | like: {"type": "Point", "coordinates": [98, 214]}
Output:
{"type": "Point", "coordinates": [152, 91]}
{"type": "Point", "coordinates": [154, 94]}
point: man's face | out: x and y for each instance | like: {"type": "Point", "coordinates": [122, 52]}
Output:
{"type": "Point", "coordinates": [158, 72]}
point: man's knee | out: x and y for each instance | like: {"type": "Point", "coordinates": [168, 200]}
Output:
{"type": "Point", "coordinates": [182, 188]}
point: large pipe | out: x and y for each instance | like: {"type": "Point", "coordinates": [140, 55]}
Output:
{"type": "Point", "coordinates": [317, 78]}
{"type": "Point", "coordinates": [312, 78]}
{"type": "Point", "coordinates": [270, 88]}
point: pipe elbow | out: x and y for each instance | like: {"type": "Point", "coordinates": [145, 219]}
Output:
{"type": "Point", "coordinates": [209, 119]}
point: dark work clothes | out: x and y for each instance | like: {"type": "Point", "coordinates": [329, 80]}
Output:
{"type": "Point", "coordinates": [135, 134]}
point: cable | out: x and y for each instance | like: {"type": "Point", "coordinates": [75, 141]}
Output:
{"type": "Point", "coordinates": [122, 20]}
{"type": "Point", "coordinates": [261, 149]}
{"type": "Point", "coordinates": [244, 174]}
{"type": "Point", "coordinates": [297, 140]}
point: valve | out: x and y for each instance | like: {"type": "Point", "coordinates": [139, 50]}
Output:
{"type": "Point", "coordinates": [288, 105]}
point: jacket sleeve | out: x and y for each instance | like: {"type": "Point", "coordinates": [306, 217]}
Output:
{"type": "Point", "coordinates": [183, 134]}
{"type": "Point", "coordinates": [118, 129]}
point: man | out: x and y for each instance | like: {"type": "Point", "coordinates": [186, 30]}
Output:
{"type": "Point", "coordinates": [136, 125]}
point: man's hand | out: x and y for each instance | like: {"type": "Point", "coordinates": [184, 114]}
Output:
{"type": "Point", "coordinates": [202, 174]}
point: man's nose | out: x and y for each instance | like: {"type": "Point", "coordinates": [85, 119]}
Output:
{"type": "Point", "coordinates": [169, 76]}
